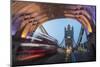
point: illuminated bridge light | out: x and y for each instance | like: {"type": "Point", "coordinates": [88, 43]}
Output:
{"type": "Point", "coordinates": [89, 29]}
{"type": "Point", "coordinates": [23, 35]}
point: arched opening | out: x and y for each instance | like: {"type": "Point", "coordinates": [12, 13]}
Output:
{"type": "Point", "coordinates": [56, 29]}
{"type": "Point", "coordinates": [45, 12]}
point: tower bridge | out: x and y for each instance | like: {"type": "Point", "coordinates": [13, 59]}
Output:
{"type": "Point", "coordinates": [28, 16]}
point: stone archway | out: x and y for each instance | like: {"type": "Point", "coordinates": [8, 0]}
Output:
{"type": "Point", "coordinates": [30, 15]}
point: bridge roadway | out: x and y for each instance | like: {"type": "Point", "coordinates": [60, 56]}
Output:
{"type": "Point", "coordinates": [53, 59]}
{"type": "Point", "coordinates": [59, 58]}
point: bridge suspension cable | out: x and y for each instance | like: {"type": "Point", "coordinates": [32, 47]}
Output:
{"type": "Point", "coordinates": [80, 35]}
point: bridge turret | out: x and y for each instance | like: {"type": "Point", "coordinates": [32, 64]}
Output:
{"type": "Point", "coordinates": [68, 42]}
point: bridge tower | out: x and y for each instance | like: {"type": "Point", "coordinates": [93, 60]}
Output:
{"type": "Point", "coordinates": [69, 43]}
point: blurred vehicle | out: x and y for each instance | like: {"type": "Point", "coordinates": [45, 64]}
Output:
{"type": "Point", "coordinates": [34, 48]}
